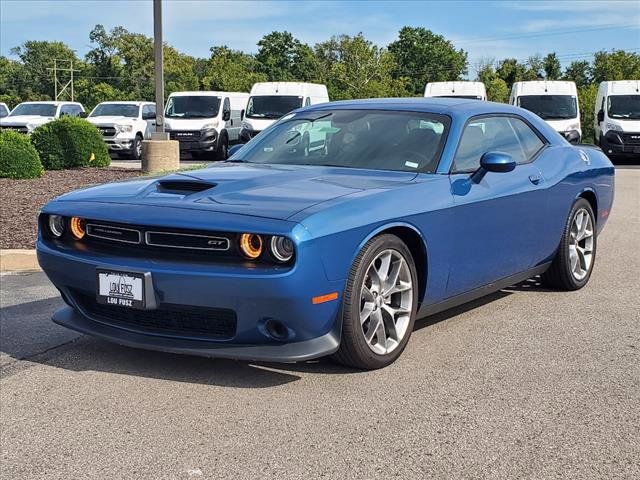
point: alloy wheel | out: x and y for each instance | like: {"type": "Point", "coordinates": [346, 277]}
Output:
{"type": "Point", "coordinates": [581, 238]}
{"type": "Point", "coordinates": [386, 299]}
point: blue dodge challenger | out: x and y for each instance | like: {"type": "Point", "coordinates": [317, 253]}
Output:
{"type": "Point", "coordinates": [330, 232]}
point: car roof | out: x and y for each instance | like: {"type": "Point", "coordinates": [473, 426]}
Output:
{"type": "Point", "coordinates": [127, 102]}
{"type": "Point", "coordinates": [453, 107]}
{"type": "Point", "coordinates": [50, 102]}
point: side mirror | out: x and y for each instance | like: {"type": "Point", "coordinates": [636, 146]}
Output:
{"type": "Point", "coordinates": [497, 162]}
{"type": "Point", "coordinates": [235, 148]}
{"type": "Point", "coordinates": [601, 116]}
{"type": "Point", "coordinates": [242, 114]}
{"type": "Point", "coordinates": [226, 115]}
{"type": "Point", "coordinates": [83, 115]}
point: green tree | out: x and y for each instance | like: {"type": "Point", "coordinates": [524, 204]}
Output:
{"type": "Point", "coordinates": [422, 56]}
{"type": "Point", "coordinates": [587, 101]}
{"type": "Point", "coordinates": [282, 57]}
{"type": "Point", "coordinates": [497, 90]}
{"type": "Point", "coordinates": [230, 70]}
{"type": "Point", "coordinates": [353, 67]}
{"type": "Point", "coordinates": [617, 65]}
{"type": "Point", "coordinates": [511, 71]}
{"type": "Point", "coordinates": [578, 71]}
{"type": "Point", "coordinates": [12, 82]}
{"type": "Point", "coordinates": [551, 67]}
{"type": "Point", "coordinates": [37, 59]}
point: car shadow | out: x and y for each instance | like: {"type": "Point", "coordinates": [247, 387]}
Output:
{"type": "Point", "coordinates": [42, 342]}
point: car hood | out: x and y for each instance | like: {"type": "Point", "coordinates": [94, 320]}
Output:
{"type": "Point", "coordinates": [259, 124]}
{"type": "Point", "coordinates": [111, 120]}
{"type": "Point", "coordinates": [23, 120]}
{"type": "Point", "coordinates": [187, 123]}
{"type": "Point", "coordinates": [270, 191]}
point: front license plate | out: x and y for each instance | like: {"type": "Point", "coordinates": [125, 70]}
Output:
{"type": "Point", "coordinates": [121, 289]}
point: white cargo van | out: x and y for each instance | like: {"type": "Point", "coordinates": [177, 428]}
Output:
{"type": "Point", "coordinates": [124, 125]}
{"type": "Point", "coordinates": [270, 101]}
{"type": "Point", "coordinates": [205, 122]}
{"type": "Point", "coordinates": [27, 116]}
{"type": "Point", "coordinates": [470, 90]}
{"type": "Point", "coordinates": [617, 118]}
{"type": "Point", "coordinates": [554, 101]}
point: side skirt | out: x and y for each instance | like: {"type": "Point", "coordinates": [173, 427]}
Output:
{"type": "Point", "coordinates": [479, 292]}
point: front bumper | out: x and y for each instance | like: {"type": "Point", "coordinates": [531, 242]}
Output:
{"type": "Point", "coordinates": [621, 144]}
{"type": "Point", "coordinates": [572, 136]}
{"type": "Point", "coordinates": [255, 296]}
{"type": "Point", "coordinates": [196, 141]}
{"type": "Point", "coordinates": [119, 144]}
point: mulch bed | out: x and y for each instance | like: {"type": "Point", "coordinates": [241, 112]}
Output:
{"type": "Point", "coordinates": [23, 199]}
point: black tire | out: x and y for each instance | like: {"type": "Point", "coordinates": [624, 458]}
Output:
{"type": "Point", "coordinates": [222, 153]}
{"type": "Point", "coordinates": [354, 351]}
{"type": "Point", "coordinates": [136, 148]}
{"type": "Point", "coordinates": [559, 275]}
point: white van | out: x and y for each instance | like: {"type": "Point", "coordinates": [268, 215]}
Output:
{"type": "Point", "coordinates": [617, 118]}
{"type": "Point", "coordinates": [470, 90]}
{"type": "Point", "coordinates": [27, 116]}
{"type": "Point", "coordinates": [554, 101]}
{"type": "Point", "coordinates": [270, 101]}
{"type": "Point", "coordinates": [205, 122]}
{"type": "Point", "coordinates": [124, 125]}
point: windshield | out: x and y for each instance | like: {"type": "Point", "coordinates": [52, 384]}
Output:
{"type": "Point", "coordinates": [200, 106]}
{"type": "Point", "coordinates": [372, 139]}
{"type": "Point", "coordinates": [624, 106]}
{"type": "Point", "coordinates": [550, 107]}
{"type": "Point", "coordinates": [38, 109]}
{"type": "Point", "coordinates": [3, 111]}
{"type": "Point", "coordinates": [272, 106]}
{"type": "Point", "coordinates": [115, 110]}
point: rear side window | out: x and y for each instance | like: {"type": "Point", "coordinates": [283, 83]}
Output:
{"type": "Point", "coordinates": [490, 134]}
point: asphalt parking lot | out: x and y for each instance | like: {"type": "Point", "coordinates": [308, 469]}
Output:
{"type": "Point", "coordinates": [526, 383]}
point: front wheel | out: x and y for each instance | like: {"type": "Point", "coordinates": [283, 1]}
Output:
{"type": "Point", "coordinates": [379, 304]}
{"type": "Point", "coordinates": [136, 151]}
{"type": "Point", "coordinates": [572, 266]}
{"type": "Point", "coordinates": [222, 153]}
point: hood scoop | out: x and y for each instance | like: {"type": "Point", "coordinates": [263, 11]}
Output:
{"type": "Point", "coordinates": [183, 187]}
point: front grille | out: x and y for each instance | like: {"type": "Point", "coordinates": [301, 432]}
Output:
{"type": "Point", "coordinates": [186, 241]}
{"type": "Point", "coordinates": [16, 128]}
{"type": "Point", "coordinates": [184, 135]}
{"type": "Point", "coordinates": [107, 131]}
{"type": "Point", "coordinates": [113, 233]}
{"type": "Point", "coordinates": [631, 138]}
{"type": "Point", "coordinates": [167, 320]}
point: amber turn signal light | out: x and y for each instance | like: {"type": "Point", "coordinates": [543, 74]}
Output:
{"type": "Point", "coordinates": [76, 225]}
{"type": "Point", "coordinates": [251, 245]}
{"type": "Point", "coordinates": [324, 298]}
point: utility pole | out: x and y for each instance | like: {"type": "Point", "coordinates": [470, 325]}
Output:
{"type": "Point", "coordinates": [58, 83]}
{"type": "Point", "coordinates": [159, 70]}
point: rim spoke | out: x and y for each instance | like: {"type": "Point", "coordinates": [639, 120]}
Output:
{"type": "Point", "coordinates": [366, 294]}
{"type": "Point", "coordinates": [573, 256]}
{"type": "Point", "coordinates": [392, 279]}
{"type": "Point", "coordinates": [381, 335]}
{"type": "Point", "coordinates": [374, 323]}
{"type": "Point", "coordinates": [366, 311]}
{"type": "Point", "coordinates": [385, 264]}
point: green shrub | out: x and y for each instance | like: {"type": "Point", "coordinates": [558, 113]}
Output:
{"type": "Point", "coordinates": [18, 158]}
{"type": "Point", "coordinates": [70, 142]}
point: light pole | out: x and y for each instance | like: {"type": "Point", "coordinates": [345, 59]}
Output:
{"type": "Point", "coordinates": [159, 70]}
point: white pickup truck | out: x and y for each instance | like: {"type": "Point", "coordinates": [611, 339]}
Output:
{"type": "Point", "coordinates": [124, 125]}
{"type": "Point", "coordinates": [28, 116]}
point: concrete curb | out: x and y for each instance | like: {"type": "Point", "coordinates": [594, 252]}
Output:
{"type": "Point", "coordinates": [18, 260]}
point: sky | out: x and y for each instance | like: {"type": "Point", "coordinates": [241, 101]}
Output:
{"type": "Point", "coordinates": [485, 29]}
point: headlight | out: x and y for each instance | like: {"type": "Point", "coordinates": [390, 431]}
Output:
{"type": "Point", "coordinates": [56, 225]}
{"type": "Point", "coordinates": [251, 245]}
{"type": "Point", "coordinates": [575, 126]}
{"type": "Point", "coordinates": [76, 225]}
{"type": "Point", "coordinates": [124, 128]}
{"type": "Point", "coordinates": [282, 248]}
{"type": "Point", "coordinates": [613, 126]}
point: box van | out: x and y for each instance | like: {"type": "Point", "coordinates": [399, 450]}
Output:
{"type": "Point", "coordinates": [124, 125]}
{"type": "Point", "coordinates": [27, 116]}
{"type": "Point", "coordinates": [617, 118]}
{"type": "Point", "coordinates": [205, 122]}
{"type": "Point", "coordinates": [556, 102]}
{"type": "Point", "coordinates": [270, 101]}
{"type": "Point", "coordinates": [471, 90]}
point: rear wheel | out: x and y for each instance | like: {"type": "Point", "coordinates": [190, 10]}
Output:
{"type": "Point", "coordinates": [573, 263]}
{"type": "Point", "coordinates": [379, 304]}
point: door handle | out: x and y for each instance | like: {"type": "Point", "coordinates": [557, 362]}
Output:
{"type": "Point", "coordinates": [535, 178]}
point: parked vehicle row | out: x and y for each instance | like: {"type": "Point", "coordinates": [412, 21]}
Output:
{"type": "Point", "coordinates": [207, 123]}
